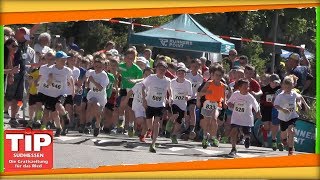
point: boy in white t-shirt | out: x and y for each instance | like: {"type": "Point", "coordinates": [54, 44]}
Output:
{"type": "Point", "coordinates": [286, 103]}
{"type": "Point", "coordinates": [97, 80]}
{"type": "Point", "coordinates": [55, 92]}
{"type": "Point", "coordinates": [242, 103]}
{"type": "Point", "coordinates": [181, 90]}
{"type": "Point", "coordinates": [156, 86]}
{"type": "Point", "coordinates": [137, 106]}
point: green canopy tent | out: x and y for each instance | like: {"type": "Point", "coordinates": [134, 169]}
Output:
{"type": "Point", "coordinates": [203, 41]}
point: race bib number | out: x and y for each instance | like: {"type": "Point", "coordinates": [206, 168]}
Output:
{"type": "Point", "coordinates": [291, 108]}
{"type": "Point", "coordinates": [45, 85]}
{"type": "Point", "coordinates": [179, 96]}
{"type": "Point", "coordinates": [239, 107]}
{"type": "Point", "coordinates": [209, 105]}
{"type": "Point", "coordinates": [269, 97]}
{"type": "Point", "coordinates": [57, 85]}
{"type": "Point", "coordinates": [194, 85]}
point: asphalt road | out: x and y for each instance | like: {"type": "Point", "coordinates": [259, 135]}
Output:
{"type": "Point", "coordinates": [84, 150]}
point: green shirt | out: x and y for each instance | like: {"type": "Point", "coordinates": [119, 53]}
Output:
{"type": "Point", "coordinates": [112, 80]}
{"type": "Point", "coordinates": [133, 72]}
{"type": "Point", "coordinates": [151, 61]}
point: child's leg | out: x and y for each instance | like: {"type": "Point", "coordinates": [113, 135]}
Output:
{"type": "Point", "coordinates": [214, 124]}
{"type": "Point", "coordinates": [155, 129]}
{"type": "Point", "coordinates": [204, 123]}
{"type": "Point", "coordinates": [291, 132]}
{"type": "Point", "coordinates": [234, 136]}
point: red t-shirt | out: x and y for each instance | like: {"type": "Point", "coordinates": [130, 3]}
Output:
{"type": "Point", "coordinates": [254, 86]}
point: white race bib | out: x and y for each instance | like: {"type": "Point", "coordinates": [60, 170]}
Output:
{"type": "Point", "coordinates": [291, 108]}
{"type": "Point", "coordinates": [178, 96]}
{"type": "Point", "coordinates": [209, 105]}
{"type": "Point", "coordinates": [239, 107]}
{"type": "Point", "coordinates": [57, 85]}
{"type": "Point", "coordinates": [269, 97]}
{"type": "Point", "coordinates": [156, 95]}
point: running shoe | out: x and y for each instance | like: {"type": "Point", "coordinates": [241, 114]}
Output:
{"type": "Point", "coordinates": [87, 130]}
{"type": "Point", "coordinates": [247, 143]}
{"type": "Point", "coordinates": [280, 147]}
{"type": "Point", "coordinates": [14, 123]}
{"type": "Point", "coordinates": [274, 146]}
{"type": "Point", "coordinates": [169, 126]}
{"type": "Point", "coordinates": [81, 128]}
{"type": "Point", "coordinates": [64, 131]}
{"type": "Point", "coordinates": [290, 153]}
{"type": "Point", "coordinates": [142, 138]}
{"type": "Point", "coordinates": [215, 142]}
{"type": "Point", "coordinates": [233, 153]}
{"type": "Point", "coordinates": [192, 135]}
{"type": "Point", "coordinates": [58, 132]}
{"type": "Point", "coordinates": [205, 143]}
{"type": "Point", "coordinates": [96, 132]}
{"type": "Point", "coordinates": [152, 148]}
{"type": "Point", "coordinates": [149, 134]}
{"type": "Point", "coordinates": [130, 131]}
{"type": "Point", "coordinates": [43, 127]}
{"type": "Point", "coordinates": [174, 139]}
{"type": "Point", "coordinates": [6, 114]}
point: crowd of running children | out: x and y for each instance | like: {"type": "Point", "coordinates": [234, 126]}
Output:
{"type": "Point", "coordinates": [147, 98]}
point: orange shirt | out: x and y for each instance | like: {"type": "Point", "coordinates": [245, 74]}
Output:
{"type": "Point", "coordinates": [217, 93]}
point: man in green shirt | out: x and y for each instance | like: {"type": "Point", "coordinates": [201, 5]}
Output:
{"type": "Point", "coordinates": [130, 72]}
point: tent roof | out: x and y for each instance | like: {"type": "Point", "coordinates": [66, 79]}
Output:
{"type": "Point", "coordinates": [182, 40]}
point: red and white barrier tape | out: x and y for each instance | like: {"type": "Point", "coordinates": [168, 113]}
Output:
{"type": "Point", "coordinates": [223, 37]}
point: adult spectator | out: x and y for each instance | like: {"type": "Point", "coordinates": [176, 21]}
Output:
{"type": "Point", "coordinates": [23, 56]}
{"type": "Point", "coordinates": [243, 60]}
{"type": "Point", "coordinates": [72, 45]}
{"type": "Point", "coordinates": [302, 72]}
{"type": "Point", "coordinates": [233, 59]}
{"type": "Point", "coordinates": [147, 53]}
{"type": "Point", "coordinates": [44, 41]}
{"type": "Point", "coordinates": [8, 33]}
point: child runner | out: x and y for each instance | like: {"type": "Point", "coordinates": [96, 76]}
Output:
{"type": "Point", "coordinates": [137, 106]}
{"type": "Point", "coordinates": [181, 90]}
{"type": "Point", "coordinates": [196, 79]}
{"type": "Point", "coordinates": [266, 105]}
{"type": "Point", "coordinates": [129, 72]}
{"type": "Point", "coordinates": [68, 103]}
{"type": "Point", "coordinates": [56, 88]}
{"type": "Point", "coordinates": [111, 101]}
{"type": "Point", "coordinates": [286, 103]}
{"type": "Point", "coordinates": [157, 86]}
{"type": "Point", "coordinates": [98, 81]}
{"type": "Point", "coordinates": [214, 91]}
{"type": "Point", "coordinates": [49, 58]}
{"type": "Point", "coordinates": [242, 103]}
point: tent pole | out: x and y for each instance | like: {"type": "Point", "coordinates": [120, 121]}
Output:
{"type": "Point", "coordinates": [274, 40]}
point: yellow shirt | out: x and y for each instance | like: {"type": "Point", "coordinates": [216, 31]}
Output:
{"type": "Point", "coordinates": [33, 90]}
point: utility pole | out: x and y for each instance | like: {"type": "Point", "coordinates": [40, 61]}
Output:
{"type": "Point", "coordinates": [275, 25]}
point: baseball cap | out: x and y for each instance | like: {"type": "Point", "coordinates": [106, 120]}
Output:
{"type": "Point", "coordinates": [26, 32]}
{"type": "Point", "coordinates": [275, 78]}
{"type": "Point", "coordinates": [294, 56]}
{"type": "Point", "coordinates": [143, 60]}
{"type": "Point", "coordinates": [61, 55]}
{"type": "Point", "coordinates": [182, 69]}
{"type": "Point", "coordinates": [161, 63]}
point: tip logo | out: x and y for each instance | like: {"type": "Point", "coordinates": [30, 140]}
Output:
{"type": "Point", "coordinates": [28, 150]}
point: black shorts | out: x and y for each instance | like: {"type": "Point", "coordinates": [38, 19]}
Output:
{"type": "Point", "coordinates": [123, 92]}
{"type": "Point", "coordinates": [51, 102]}
{"type": "Point", "coordinates": [109, 106]}
{"type": "Point", "coordinates": [77, 100]}
{"type": "Point", "coordinates": [266, 114]}
{"type": "Point", "coordinates": [15, 90]}
{"type": "Point", "coordinates": [176, 110]}
{"type": "Point", "coordinates": [245, 129]}
{"type": "Point", "coordinates": [33, 99]}
{"type": "Point", "coordinates": [284, 125]}
{"type": "Point", "coordinates": [68, 100]}
{"type": "Point", "coordinates": [154, 112]}
{"type": "Point", "coordinates": [191, 101]}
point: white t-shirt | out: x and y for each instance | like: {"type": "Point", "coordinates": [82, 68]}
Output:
{"type": "Point", "coordinates": [75, 75]}
{"type": "Point", "coordinates": [179, 92]}
{"type": "Point", "coordinates": [288, 101]}
{"type": "Point", "coordinates": [44, 72]}
{"type": "Point", "coordinates": [196, 82]}
{"type": "Point", "coordinates": [242, 111]}
{"type": "Point", "coordinates": [102, 79]}
{"type": "Point", "coordinates": [156, 90]}
{"type": "Point", "coordinates": [60, 81]}
{"type": "Point", "coordinates": [137, 102]}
